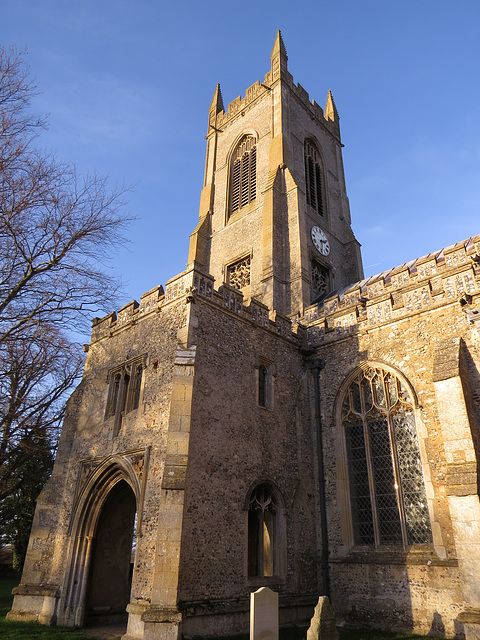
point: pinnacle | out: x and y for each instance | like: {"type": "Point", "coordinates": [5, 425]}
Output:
{"type": "Point", "coordinates": [217, 102]}
{"type": "Point", "coordinates": [331, 112]}
{"type": "Point", "coordinates": [279, 46]}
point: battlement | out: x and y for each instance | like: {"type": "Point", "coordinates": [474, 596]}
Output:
{"type": "Point", "coordinates": [256, 91]}
{"type": "Point", "coordinates": [186, 287]}
{"type": "Point", "coordinates": [451, 274]}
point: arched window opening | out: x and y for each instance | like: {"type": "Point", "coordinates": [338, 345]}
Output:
{"type": "Point", "coordinates": [265, 382]}
{"type": "Point", "coordinates": [387, 490]}
{"type": "Point", "coordinates": [263, 532]}
{"type": "Point", "coordinates": [243, 174]}
{"type": "Point", "coordinates": [313, 177]}
{"type": "Point", "coordinates": [124, 389]}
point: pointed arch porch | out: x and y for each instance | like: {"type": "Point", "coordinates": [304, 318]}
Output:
{"type": "Point", "coordinates": [89, 504]}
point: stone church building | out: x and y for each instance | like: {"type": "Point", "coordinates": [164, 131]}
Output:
{"type": "Point", "coordinates": [270, 417]}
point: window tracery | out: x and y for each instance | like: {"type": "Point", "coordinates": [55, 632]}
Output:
{"type": "Point", "coordinates": [238, 273]}
{"type": "Point", "coordinates": [262, 531]}
{"type": "Point", "coordinates": [243, 174]}
{"type": "Point", "coordinates": [320, 279]}
{"type": "Point", "coordinates": [125, 384]}
{"type": "Point", "coordinates": [313, 177]}
{"type": "Point", "coordinates": [387, 490]}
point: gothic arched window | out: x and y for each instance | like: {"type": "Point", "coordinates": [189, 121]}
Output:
{"type": "Point", "coordinates": [265, 536]}
{"type": "Point", "coordinates": [387, 489]}
{"type": "Point", "coordinates": [125, 387]}
{"type": "Point", "coordinates": [243, 174]}
{"type": "Point", "coordinates": [313, 177]}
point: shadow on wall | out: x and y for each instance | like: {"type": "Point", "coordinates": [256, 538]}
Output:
{"type": "Point", "coordinates": [470, 377]}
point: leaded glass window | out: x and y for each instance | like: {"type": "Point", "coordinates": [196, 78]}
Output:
{"type": "Point", "coordinates": [243, 174]}
{"type": "Point", "coordinates": [387, 489]}
{"type": "Point", "coordinates": [313, 177]}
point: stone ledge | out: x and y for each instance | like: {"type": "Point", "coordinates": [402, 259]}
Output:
{"type": "Point", "coordinates": [161, 614]}
{"type": "Point", "coordinates": [49, 590]}
{"type": "Point", "coordinates": [469, 616]}
{"type": "Point", "coordinates": [395, 558]}
{"type": "Point", "coordinates": [137, 608]}
{"type": "Point", "coordinates": [241, 604]}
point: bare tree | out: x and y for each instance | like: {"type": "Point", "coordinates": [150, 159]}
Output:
{"type": "Point", "coordinates": [36, 372]}
{"type": "Point", "coordinates": [56, 229]}
{"type": "Point", "coordinates": [56, 232]}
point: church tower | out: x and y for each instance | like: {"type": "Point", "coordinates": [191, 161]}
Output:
{"type": "Point", "coordinates": [274, 213]}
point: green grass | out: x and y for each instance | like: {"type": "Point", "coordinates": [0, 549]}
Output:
{"type": "Point", "coordinates": [10, 630]}
{"type": "Point", "coordinates": [6, 586]}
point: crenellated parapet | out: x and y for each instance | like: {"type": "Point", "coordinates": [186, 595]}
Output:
{"type": "Point", "coordinates": [449, 275]}
{"type": "Point", "coordinates": [127, 315]}
{"type": "Point", "coordinates": [238, 107]}
{"type": "Point", "coordinates": [186, 288]}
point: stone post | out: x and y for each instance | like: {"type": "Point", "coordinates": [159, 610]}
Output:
{"type": "Point", "coordinates": [323, 625]}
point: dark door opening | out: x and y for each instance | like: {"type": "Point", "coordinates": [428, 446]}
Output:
{"type": "Point", "coordinates": [110, 578]}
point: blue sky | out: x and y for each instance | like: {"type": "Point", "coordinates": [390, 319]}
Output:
{"type": "Point", "coordinates": [127, 85]}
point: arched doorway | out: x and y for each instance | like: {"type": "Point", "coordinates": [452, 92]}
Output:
{"type": "Point", "coordinates": [109, 581]}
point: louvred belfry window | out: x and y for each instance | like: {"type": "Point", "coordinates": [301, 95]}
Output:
{"type": "Point", "coordinates": [243, 179]}
{"type": "Point", "coordinates": [387, 489]}
{"type": "Point", "coordinates": [313, 178]}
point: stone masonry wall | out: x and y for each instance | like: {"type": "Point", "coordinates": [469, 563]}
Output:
{"type": "Point", "coordinates": [88, 440]}
{"type": "Point", "coordinates": [235, 444]}
{"type": "Point", "coordinates": [402, 319]}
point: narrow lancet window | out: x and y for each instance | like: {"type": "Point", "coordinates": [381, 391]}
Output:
{"type": "Point", "coordinates": [262, 385]}
{"type": "Point", "coordinates": [136, 386]}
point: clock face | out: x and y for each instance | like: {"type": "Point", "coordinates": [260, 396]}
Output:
{"type": "Point", "coordinates": [320, 241]}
